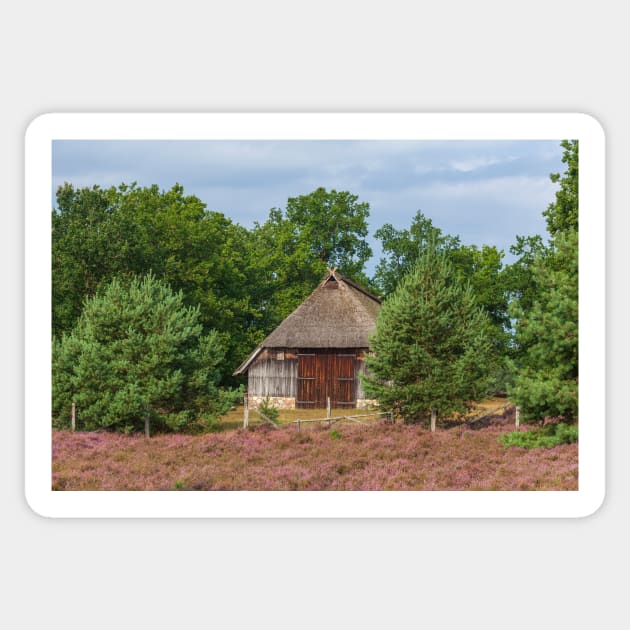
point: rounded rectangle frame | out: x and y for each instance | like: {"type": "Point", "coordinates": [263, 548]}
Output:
{"type": "Point", "coordinates": [338, 126]}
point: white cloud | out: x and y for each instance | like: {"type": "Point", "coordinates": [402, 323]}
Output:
{"type": "Point", "coordinates": [484, 191]}
{"type": "Point", "coordinates": [474, 164]}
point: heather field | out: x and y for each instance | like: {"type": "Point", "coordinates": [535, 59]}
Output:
{"type": "Point", "coordinates": [377, 456]}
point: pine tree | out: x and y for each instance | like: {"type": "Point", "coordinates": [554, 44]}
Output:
{"type": "Point", "coordinates": [431, 347]}
{"type": "Point", "coordinates": [135, 358]}
{"type": "Point", "coordinates": [545, 366]}
{"type": "Point", "coordinates": [546, 378]}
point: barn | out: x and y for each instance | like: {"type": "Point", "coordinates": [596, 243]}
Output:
{"type": "Point", "coordinates": [317, 352]}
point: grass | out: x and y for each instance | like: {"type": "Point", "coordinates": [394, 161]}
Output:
{"type": "Point", "coordinates": [234, 418]}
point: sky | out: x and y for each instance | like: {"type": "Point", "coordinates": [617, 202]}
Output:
{"type": "Point", "coordinates": [487, 192]}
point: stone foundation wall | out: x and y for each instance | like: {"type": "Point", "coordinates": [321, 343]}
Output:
{"type": "Point", "coordinates": [285, 402]}
{"type": "Point", "coordinates": [366, 403]}
{"type": "Point", "coordinates": [277, 401]}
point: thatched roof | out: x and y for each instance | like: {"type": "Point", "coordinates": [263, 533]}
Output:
{"type": "Point", "coordinates": [338, 314]}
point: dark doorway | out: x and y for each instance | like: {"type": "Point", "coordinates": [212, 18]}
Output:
{"type": "Point", "coordinates": [323, 374]}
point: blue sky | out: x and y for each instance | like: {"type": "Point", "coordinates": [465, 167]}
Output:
{"type": "Point", "coordinates": [486, 192]}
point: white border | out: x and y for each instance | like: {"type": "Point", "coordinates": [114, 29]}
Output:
{"type": "Point", "coordinates": [44, 129]}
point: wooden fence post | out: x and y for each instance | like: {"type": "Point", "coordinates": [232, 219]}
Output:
{"type": "Point", "coordinates": [147, 428]}
{"type": "Point", "coordinates": [433, 419]}
{"type": "Point", "coordinates": [328, 409]}
{"type": "Point", "coordinates": [73, 417]}
{"type": "Point", "coordinates": [517, 417]}
{"type": "Point", "coordinates": [245, 412]}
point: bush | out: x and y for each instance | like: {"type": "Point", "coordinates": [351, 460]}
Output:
{"type": "Point", "coordinates": [266, 407]}
{"type": "Point", "coordinates": [546, 437]}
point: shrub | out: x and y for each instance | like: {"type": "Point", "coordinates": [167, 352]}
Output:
{"type": "Point", "coordinates": [266, 407]}
{"type": "Point", "coordinates": [545, 437]}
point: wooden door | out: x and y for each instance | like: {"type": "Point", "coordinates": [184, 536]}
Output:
{"type": "Point", "coordinates": [323, 374]}
{"type": "Point", "coordinates": [307, 384]}
{"type": "Point", "coordinates": [341, 383]}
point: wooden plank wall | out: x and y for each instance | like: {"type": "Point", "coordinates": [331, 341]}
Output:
{"type": "Point", "coordinates": [270, 377]}
{"type": "Point", "coordinates": [359, 368]}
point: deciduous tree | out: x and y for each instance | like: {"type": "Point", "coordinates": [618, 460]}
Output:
{"type": "Point", "coordinates": [562, 214]}
{"type": "Point", "coordinates": [99, 234]}
{"type": "Point", "coordinates": [332, 227]}
{"type": "Point", "coordinates": [402, 248]}
{"type": "Point", "coordinates": [292, 249]}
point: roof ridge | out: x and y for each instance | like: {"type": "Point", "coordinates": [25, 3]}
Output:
{"type": "Point", "coordinates": [358, 287]}
{"type": "Point", "coordinates": [333, 273]}
{"type": "Point", "coordinates": [330, 274]}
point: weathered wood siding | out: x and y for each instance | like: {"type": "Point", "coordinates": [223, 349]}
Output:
{"type": "Point", "coordinates": [334, 372]}
{"type": "Point", "coordinates": [271, 376]}
{"type": "Point", "coordinates": [359, 369]}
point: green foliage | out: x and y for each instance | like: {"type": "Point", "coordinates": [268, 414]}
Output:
{"type": "Point", "coordinates": [267, 408]}
{"type": "Point", "coordinates": [546, 333]}
{"type": "Point", "coordinates": [481, 268]}
{"type": "Point", "coordinates": [335, 435]}
{"type": "Point", "coordinates": [286, 274]}
{"type": "Point", "coordinates": [519, 280]}
{"type": "Point", "coordinates": [402, 248]}
{"type": "Point", "coordinates": [332, 227]}
{"type": "Point", "coordinates": [137, 350]}
{"type": "Point", "coordinates": [562, 215]}
{"type": "Point", "coordinates": [125, 231]}
{"type": "Point", "coordinates": [291, 250]}
{"type": "Point", "coordinates": [431, 346]}
{"type": "Point", "coordinates": [545, 357]}
{"type": "Point", "coordinates": [545, 437]}
{"type": "Point", "coordinates": [244, 281]}
{"type": "Point", "coordinates": [544, 286]}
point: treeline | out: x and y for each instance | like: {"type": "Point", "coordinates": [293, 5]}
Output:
{"type": "Point", "coordinates": [459, 322]}
{"type": "Point", "coordinates": [242, 282]}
